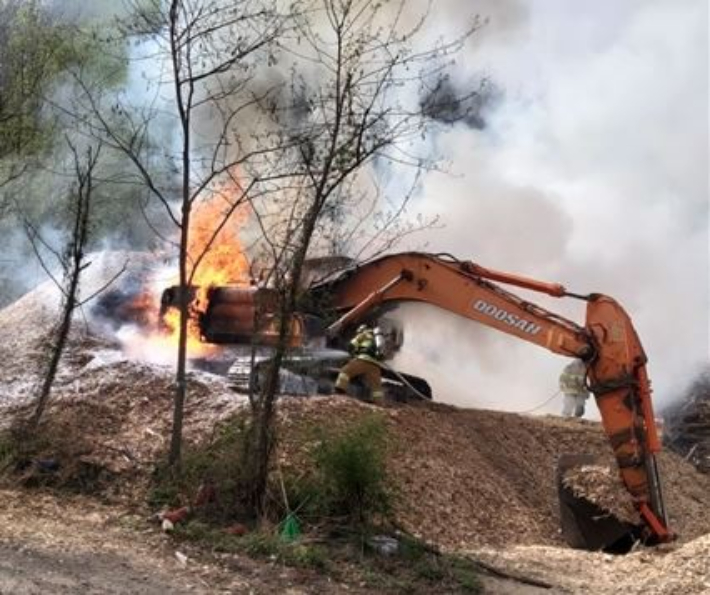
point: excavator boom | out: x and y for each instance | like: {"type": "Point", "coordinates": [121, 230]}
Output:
{"type": "Point", "coordinates": [607, 343]}
{"type": "Point", "coordinates": [453, 286]}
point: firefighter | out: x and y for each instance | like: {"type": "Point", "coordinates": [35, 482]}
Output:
{"type": "Point", "coordinates": [574, 388]}
{"type": "Point", "coordinates": [366, 347]}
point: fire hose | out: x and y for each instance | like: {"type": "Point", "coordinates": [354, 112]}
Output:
{"type": "Point", "coordinates": [425, 398]}
{"type": "Point", "coordinates": [403, 380]}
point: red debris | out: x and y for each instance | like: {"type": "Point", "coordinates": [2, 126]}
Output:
{"type": "Point", "coordinates": [176, 515]}
{"type": "Point", "coordinates": [237, 529]}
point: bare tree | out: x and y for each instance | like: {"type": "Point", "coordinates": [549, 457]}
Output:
{"type": "Point", "coordinates": [209, 51]}
{"type": "Point", "coordinates": [71, 262]}
{"type": "Point", "coordinates": [353, 104]}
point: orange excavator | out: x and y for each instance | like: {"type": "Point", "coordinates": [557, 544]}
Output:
{"type": "Point", "coordinates": [607, 343]}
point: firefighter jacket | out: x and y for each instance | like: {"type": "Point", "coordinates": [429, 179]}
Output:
{"type": "Point", "coordinates": [572, 379]}
{"type": "Point", "coordinates": [364, 346]}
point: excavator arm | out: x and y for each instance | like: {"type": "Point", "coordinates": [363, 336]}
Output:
{"type": "Point", "coordinates": [608, 344]}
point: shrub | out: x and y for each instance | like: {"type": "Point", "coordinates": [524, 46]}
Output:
{"type": "Point", "coordinates": [257, 544]}
{"type": "Point", "coordinates": [466, 574]}
{"type": "Point", "coordinates": [352, 471]}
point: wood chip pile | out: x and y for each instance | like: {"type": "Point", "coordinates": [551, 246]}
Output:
{"type": "Point", "coordinates": [469, 478]}
{"type": "Point", "coordinates": [120, 411]}
{"type": "Point", "coordinates": [26, 324]}
{"type": "Point", "coordinates": [673, 569]}
{"type": "Point", "coordinates": [117, 418]}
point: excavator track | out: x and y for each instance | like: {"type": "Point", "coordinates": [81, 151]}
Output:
{"type": "Point", "coordinates": [314, 372]}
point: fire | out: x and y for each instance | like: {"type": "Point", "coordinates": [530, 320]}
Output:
{"type": "Point", "coordinates": [216, 257]}
{"type": "Point", "coordinates": [220, 258]}
{"type": "Point", "coordinates": [223, 260]}
{"type": "Point", "coordinates": [195, 345]}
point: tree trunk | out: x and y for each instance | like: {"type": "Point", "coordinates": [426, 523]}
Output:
{"type": "Point", "coordinates": [175, 455]}
{"type": "Point", "coordinates": [73, 267]}
{"type": "Point", "coordinates": [262, 439]}
{"type": "Point", "coordinates": [56, 354]}
{"type": "Point", "coordinates": [183, 105]}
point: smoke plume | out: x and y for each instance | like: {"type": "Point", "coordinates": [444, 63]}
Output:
{"type": "Point", "coordinates": [584, 163]}
{"type": "Point", "coordinates": [591, 171]}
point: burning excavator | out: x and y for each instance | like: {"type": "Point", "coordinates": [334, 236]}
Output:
{"type": "Point", "coordinates": [354, 293]}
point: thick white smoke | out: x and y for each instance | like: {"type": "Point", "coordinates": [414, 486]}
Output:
{"type": "Point", "coordinates": [591, 171]}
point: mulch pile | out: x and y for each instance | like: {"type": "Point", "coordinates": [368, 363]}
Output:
{"type": "Point", "coordinates": [116, 418]}
{"type": "Point", "coordinates": [110, 412]}
{"type": "Point", "coordinates": [664, 570]}
{"type": "Point", "coordinates": [468, 478]}
{"type": "Point", "coordinates": [26, 324]}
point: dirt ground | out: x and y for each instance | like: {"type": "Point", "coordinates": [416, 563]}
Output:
{"type": "Point", "coordinates": [66, 545]}
{"type": "Point", "coordinates": [25, 570]}
{"type": "Point", "coordinates": [63, 546]}
{"type": "Point", "coordinates": [51, 544]}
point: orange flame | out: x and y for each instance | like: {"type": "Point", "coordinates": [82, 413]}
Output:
{"type": "Point", "coordinates": [216, 256]}
{"type": "Point", "coordinates": [216, 248]}
{"type": "Point", "coordinates": [216, 251]}
{"type": "Point", "coordinates": [224, 262]}
{"type": "Point", "coordinates": [195, 346]}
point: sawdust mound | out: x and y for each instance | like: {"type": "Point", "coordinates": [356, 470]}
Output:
{"type": "Point", "coordinates": [469, 478]}
{"type": "Point", "coordinates": [26, 323]}
{"type": "Point", "coordinates": [114, 416]}
{"type": "Point", "coordinates": [671, 569]}
{"type": "Point", "coordinates": [688, 422]}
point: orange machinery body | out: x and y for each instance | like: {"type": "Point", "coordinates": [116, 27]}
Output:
{"type": "Point", "coordinates": [245, 314]}
{"type": "Point", "coordinates": [236, 314]}
{"type": "Point", "coordinates": [608, 344]}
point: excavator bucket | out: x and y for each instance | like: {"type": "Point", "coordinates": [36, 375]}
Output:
{"type": "Point", "coordinates": [584, 524]}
